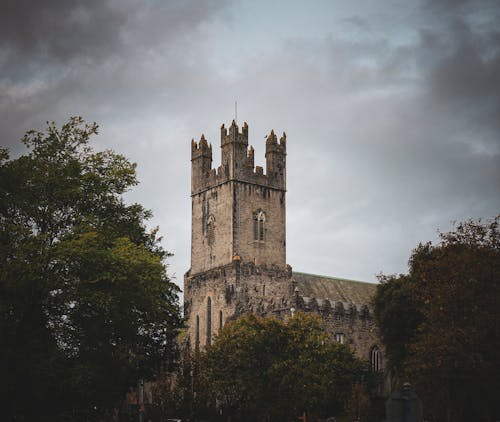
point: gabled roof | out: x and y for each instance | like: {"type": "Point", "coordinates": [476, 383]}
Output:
{"type": "Point", "coordinates": [334, 289]}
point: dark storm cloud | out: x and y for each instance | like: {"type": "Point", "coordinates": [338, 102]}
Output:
{"type": "Point", "coordinates": [62, 57]}
{"type": "Point", "coordinates": [56, 31]}
{"type": "Point", "coordinates": [60, 30]}
{"type": "Point", "coordinates": [463, 59]}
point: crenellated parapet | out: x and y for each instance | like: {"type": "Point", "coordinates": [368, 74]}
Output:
{"type": "Point", "coordinates": [272, 144]}
{"type": "Point", "coordinates": [233, 135]}
{"type": "Point", "coordinates": [238, 161]}
{"type": "Point", "coordinates": [201, 149]}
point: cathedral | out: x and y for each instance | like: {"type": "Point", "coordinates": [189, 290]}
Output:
{"type": "Point", "coordinates": [238, 251]}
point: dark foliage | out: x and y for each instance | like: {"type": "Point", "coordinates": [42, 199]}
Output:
{"type": "Point", "coordinates": [440, 323]}
{"type": "Point", "coordinates": [86, 307]}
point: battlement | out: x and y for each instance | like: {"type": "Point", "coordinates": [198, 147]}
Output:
{"type": "Point", "coordinates": [234, 134]}
{"type": "Point", "coordinates": [238, 160]}
{"type": "Point", "coordinates": [272, 144]}
{"type": "Point", "coordinates": [201, 148]}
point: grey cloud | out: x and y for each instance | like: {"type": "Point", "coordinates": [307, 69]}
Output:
{"type": "Point", "coordinates": [465, 77]}
{"type": "Point", "coordinates": [399, 140]}
{"type": "Point", "coordinates": [60, 30]}
{"type": "Point", "coordinates": [388, 138]}
{"type": "Point", "coordinates": [100, 59]}
{"type": "Point", "coordinates": [461, 66]}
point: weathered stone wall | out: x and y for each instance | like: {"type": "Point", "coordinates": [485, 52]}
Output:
{"type": "Point", "coordinates": [218, 285]}
{"type": "Point", "coordinates": [238, 288]}
{"type": "Point", "coordinates": [234, 290]}
{"type": "Point", "coordinates": [212, 207]}
{"type": "Point", "coordinates": [249, 200]}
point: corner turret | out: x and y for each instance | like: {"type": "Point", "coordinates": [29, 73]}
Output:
{"type": "Point", "coordinates": [201, 162]}
{"type": "Point", "coordinates": [276, 160]}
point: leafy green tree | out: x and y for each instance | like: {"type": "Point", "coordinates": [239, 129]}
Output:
{"type": "Point", "coordinates": [398, 312]}
{"type": "Point", "coordinates": [450, 350]}
{"type": "Point", "coordinates": [86, 306]}
{"type": "Point", "coordinates": [265, 369]}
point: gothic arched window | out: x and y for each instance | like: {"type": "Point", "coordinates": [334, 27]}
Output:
{"type": "Point", "coordinates": [209, 321]}
{"type": "Point", "coordinates": [259, 221]}
{"type": "Point", "coordinates": [375, 359]}
{"type": "Point", "coordinates": [210, 230]}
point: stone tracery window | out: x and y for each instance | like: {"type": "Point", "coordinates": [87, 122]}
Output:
{"type": "Point", "coordinates": [259, 221]}
{"type": "Point", "coordinates": [375, 359]}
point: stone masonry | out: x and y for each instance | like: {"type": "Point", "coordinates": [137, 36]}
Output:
{"type": "Point", "coordinates": [238, 251]}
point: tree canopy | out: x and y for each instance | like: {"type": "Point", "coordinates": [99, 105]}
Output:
{"type": "Point", "coordinates": [86, 306]}
{"type": "Point", "coordinates": [266, 369]}
{"type": "Point", "coordinates": [440, 322]}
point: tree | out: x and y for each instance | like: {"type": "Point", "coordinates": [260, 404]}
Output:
{"type": "Point", "coordinates": [451, 345]}
{"type": "Point", "coordinates": [86, 306]}
{"type": "Point", "coordinates": [398, 313]}
{"type": "Point", "coordinates": [265, 369]}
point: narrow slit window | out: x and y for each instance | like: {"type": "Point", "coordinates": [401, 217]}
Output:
{"type": "Point", "coordinates": [197, 339]}
{"type": "Point", "coordinates": [209, 321]}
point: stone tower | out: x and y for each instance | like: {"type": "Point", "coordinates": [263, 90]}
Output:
{"type": "Point", "coordinates": [238, 252]}
{"type": "Point", "coordinates": [238, 245]}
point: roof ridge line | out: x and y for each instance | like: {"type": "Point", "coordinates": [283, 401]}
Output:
{"type": "Point", "coordinates": [334, 278]}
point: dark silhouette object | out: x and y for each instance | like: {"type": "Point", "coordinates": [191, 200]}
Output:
{"type": "Point", "coordinates": [404, 406]}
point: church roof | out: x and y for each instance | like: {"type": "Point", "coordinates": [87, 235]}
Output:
{"type": "Point", "coordinates": [334, 289]}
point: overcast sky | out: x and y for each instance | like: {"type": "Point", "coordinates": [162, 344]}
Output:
{"type": "Point", "coordinates": [391, 108]}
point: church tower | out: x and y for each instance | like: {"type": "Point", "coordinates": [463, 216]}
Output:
{"type": "Point", "coordinates": [238, 234]}
{"type": "Point", "coordinates": [238, 252]}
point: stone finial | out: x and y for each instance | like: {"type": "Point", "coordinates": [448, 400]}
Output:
{"type": "Point", "coordinates": [223, 131]}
